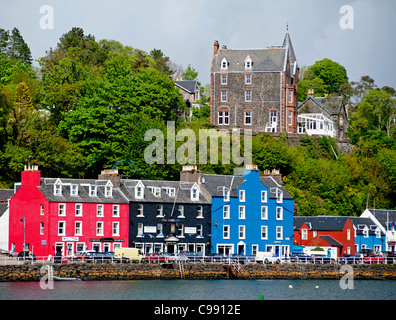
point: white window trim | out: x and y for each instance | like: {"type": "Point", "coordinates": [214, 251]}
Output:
{"type": "Point", "coordinates": [116, 213]}
{"type": "Point", "coordinates": [117, 233]}
{"type": "Point", "coordinates": [242, 195]}
{"type": "Point", "coordinates": [281, 233]}
{"type": "Point", "coordinates": [141, 186]}
{"type": "Point", "coordinates": [64, 209]}
{"type": "Point", "coordinates": [266, 232]}
{"type": "Point", "coordinates": [93, 190]}
{"type": "Point", "coordinates": [265, 194]}
{"type": "Point", "coordinates": [109, 190]}
{"type": "Point", "coordinates": [64, 228]}
{"type": "Point", "coordinates": [224, 64]}
{"type": "Point", "coordinates": [101, 231]}
{"type": "Point", "coordinates": [58, 188]}
{"type": "Point", "coordinates": [266, 213]}
{"type": "Point", "coordinates": [75, 228]}
{"type": "Point", "coordinates": [100, 213]}
{"type": "Point", "coordinates": [242, 229]}
{"type": "Point", "coordinates": [228, 232]}
{"type": "Point", "coordinates": [241, 209]}
{"type": "Point", "coordinates": [228, 212]}
{"type": "Point", "coordinates": [280, 211]}
{"type": "Point", "coordinates": [81, 210]}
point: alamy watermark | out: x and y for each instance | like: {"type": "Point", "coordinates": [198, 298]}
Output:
{"type": "Point", "coordinates": [346, 281]}
{"type": "Point", "coordinates": [46, 282]}
{"type": "Point", "coordinates": [186, 153]}
{"type": "Point", "coordinates": [47, 20]}
{"type": "Point", "coordinates": [347, 20]}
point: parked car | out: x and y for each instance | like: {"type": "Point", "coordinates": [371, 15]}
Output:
{"type": "Point", "coordinates": [390, 257]}
{"type": "Point", "coordinates": [267, 257]}
{"type": "Point", "coordinates": [300, 257]}
{"type": "Point", "coordinates": [26, 255]}
{"type": "Point", "coordinates": [97, 257]}
{"type": "Point", "coordinates": [169, 256]}
{"type": "Point", "coordinates": [366, 252]}
{"type": "Point", "coordinates": [156, 258]}
{"type": "Point", "coordinates": [320, 258]}
{"type": "Point", "coordinates": [350, 258]}
{"type": "Point", "coordinates": [190, 256]}
{"type": "Point", "coordinates": [375, 258]}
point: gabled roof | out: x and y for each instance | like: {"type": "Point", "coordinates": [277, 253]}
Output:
{"type": "Point", "coordinates": [321, 223]}
{"type": "Point", "coordinates": [329, 104]}
{"type": "Point", "coordinates": [189, 86]}
{"type": "Point", "coordinates": [6, 194]}
{"type": "Point", "coordinates": [384, 217]}
{"type": "Point", "coordinates": [182, 191]}
{"type": "Point", "coordinates": [3, 208]}
{"type": "Point", "coordinates": [47, 189]}
{"type": "Point", "coordinates": [216, 183]}
{"type": "Point", "coordinates": [318, 241]}
{"type": "Point", "coordinates": [269, 59]}
{"type": "Point", "coordinates": [360, 223]}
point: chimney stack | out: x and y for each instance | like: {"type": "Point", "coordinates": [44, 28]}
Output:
{"type": "Point", "coordinates": [216, 47]}
{"type": "Point", "coordinates": [311, 93]}
{"type": "Point", "coordinates": [31, 176]}
{"type": "Point", "coordinates": [191, 174]}
{"type": "Point", "coordinates": [112, 175]}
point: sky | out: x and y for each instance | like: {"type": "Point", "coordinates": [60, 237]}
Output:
{"type": "Point", "coordinates": [361, 38]}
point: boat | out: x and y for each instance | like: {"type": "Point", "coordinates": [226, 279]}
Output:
{"type": "Point", "coordinates": [56, 278]}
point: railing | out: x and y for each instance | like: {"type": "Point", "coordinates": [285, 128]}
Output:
{"type": "Point", "coordinates": [5, 260]}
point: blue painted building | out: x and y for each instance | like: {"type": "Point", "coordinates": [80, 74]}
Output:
{"type": "Point", "coordinates": [250, 213]}
{"type": "Point", "coordinates": [368, 235]}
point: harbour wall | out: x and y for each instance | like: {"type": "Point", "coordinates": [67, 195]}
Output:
{"type": "Point", "coordinates": [196, 271]}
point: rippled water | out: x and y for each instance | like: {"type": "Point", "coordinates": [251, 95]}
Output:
{"type": "Point", "coordinates": [200, 290]}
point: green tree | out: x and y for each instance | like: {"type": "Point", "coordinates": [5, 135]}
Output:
{"type": "Point", "coordinates": [17, 47]}
{"type": "Point", "coordinates": [324, 76]}
{"type": "Point", "coordinates": [161, 62]}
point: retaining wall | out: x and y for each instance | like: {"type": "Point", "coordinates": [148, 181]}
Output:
{"type": "Point", "coordinates": [195, 271]}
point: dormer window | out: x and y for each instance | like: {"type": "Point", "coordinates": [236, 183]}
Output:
{"type": "Point", "coordinates": [224, 64]}
{"type": "Point", "coordinates": [92, 191]}
{"type": "Point", "coordinates": [248, 63]}
{"type": "Point", "coordinates": [139, 190]}
{"type": "Point", "coordinates": [156, 191]}
{"type": "Point", "coordinates": [109, 189]}
{"type": "Point", "coordinates": [58, 188]}
{"type": "Point", "coordinates": [279, 196]}
{"type": "Point", "coordinates": [74, 190]}
{"type": "Point", "coordinates": [195, 193]}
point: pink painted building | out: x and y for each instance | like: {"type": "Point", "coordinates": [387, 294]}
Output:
{"type": "Point", "coordinates": [58, 215]}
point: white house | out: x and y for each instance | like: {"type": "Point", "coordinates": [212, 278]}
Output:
{"type": "Point", "coordinates": [386, 221]}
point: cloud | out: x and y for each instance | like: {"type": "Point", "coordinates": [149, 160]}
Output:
{"type": "Point", "coordinates": [185, 30]}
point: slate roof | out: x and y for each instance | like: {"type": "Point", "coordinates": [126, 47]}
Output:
{"type": "Point", "coordinates": [384, 215]}
{"type": "Point", "coordinates": [216, 183]}
{"type": "Point", "coordinates": [331, 104]}
{"type": "Point", "coordinates": [269, 59]}
{"type": "Point", "coordinates": [331, 241]}
{"type": "Point", "coordinates": [47, 188]}
{"type": "Point", "coordinates": [182, 191]}
{"type": "Point", "coordinates": [188, 85]}
{"type": "Point", "coordinates": [361, 222]}
{"type": "Point", "coordinates": [3, 208]}
{"type": "Point", "coordinates": [321, 223]}
{"type": "Point", "coordinates": [6, 194]}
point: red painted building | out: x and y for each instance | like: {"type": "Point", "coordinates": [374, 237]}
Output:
{"type": "Point", "coordinates": [62, 215]}
{"type": "Point", "coordinates": [325, 231]}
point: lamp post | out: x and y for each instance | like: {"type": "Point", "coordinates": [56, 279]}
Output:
{"type": "Point", "coordinates": [24, 236]}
